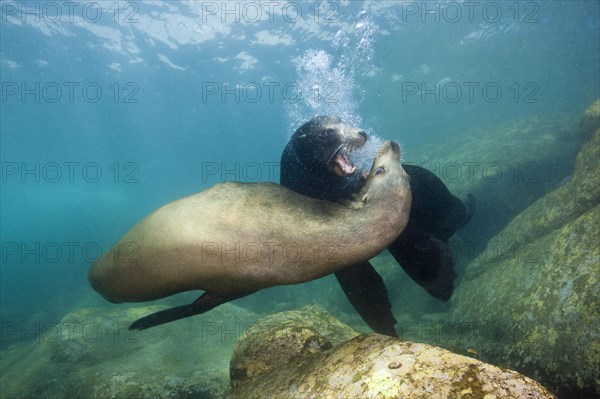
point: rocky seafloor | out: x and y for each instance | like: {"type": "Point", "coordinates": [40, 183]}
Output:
{"type": "Point", "coordinates": [90, 353]}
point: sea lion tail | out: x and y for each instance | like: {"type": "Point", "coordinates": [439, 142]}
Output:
{"type": "Point", "coordinates": [201, 305]}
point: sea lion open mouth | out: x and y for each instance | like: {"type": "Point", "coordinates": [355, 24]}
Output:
{"type": "Point", "coordinates": [340, 163]}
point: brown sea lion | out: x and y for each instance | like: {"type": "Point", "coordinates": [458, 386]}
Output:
{"type": "Point", "coordinates": [234, 239]}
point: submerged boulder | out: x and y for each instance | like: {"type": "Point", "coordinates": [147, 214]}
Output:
{"type": "Point", "coordinates": [590, 121]}
{"type": "Point", "coordinates": [367, 366]}
{"type": "Point", "coordinates": [534, 293]}
{"type": "Point", "coordinates": [283, 337]}
{"type": "Point", "coordinates": [506, 167]}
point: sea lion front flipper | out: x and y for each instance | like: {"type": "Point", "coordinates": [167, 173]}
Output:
{"type": "Point", "coordinates": [204, 303]}
{"type": "Point", "coordinates": [428, 261]}
{"type": "Point", "coordinates": [366, 292]}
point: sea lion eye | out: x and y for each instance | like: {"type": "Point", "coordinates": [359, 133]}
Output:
{"type": "Point", "coordinates": [379, 171]}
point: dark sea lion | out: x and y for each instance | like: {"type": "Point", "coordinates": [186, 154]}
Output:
{"type": "Point", "coordinates": [422, 249]}
{"type": "Point", "coordinates": [317, 162]}
{"type": "Point", "coordinates": [234, 239]}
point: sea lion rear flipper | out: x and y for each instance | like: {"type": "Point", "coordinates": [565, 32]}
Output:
{"type": "Point", "coordinates": [204, 303]}
{"type": "Point", "coordinates": [366, 292]}
{"type": "Point", "coordinates": [428, 261]}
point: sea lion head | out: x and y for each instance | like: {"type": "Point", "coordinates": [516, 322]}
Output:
{"type": "Point", "coordinates": [318, 153]}
{"type": "Point", "coordinates": [387, 179]}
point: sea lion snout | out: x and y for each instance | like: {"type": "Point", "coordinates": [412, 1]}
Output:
{"type": "Point", "coordinates": [395, 147]}
{"type": "Point", "coordinates": [389, 146]}
{"type": "Point", "coordinates": [355, 137]}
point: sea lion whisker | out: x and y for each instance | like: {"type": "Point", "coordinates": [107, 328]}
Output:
{"type": "Point", "coordinates": [335, 153]}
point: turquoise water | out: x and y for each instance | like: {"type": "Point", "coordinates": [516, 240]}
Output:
{"type": "Point", "coordinates": [112, 109]}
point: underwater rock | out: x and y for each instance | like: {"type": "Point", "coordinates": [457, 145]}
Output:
{"type": "Point", "coordinates": [90, 353]}
{"type": "Point", "coordinates": [506, 167]}
{"type": "Point", "coordinates": [283, 337]}
{"type": "Point", "coordinates": [377, 366]}
{"type": "Point", "coordinates": [585, 180]}
{"type": "Point", "coordinates": [282, 343]}
{"type": "Point", "coordinates": [531, 300]}
{"type": "Point", "coordinates": [590, 121]}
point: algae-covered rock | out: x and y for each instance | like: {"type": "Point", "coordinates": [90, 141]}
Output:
{"type": "Point", "coordinates": [590, 121]}
{"type": "Point", "coordinates": [90, 353]}
{"type": "Point", "coordinates": [506, 167]}
{"type": "Point", "coordinates": [313, 317]}
{"type": "Point", "coordinates": [262, 350]}
{"type": "Point", "coordinates": [539, 305]}
{"type": "Point", "coordinates": [549, 213]}
{"type": "Point", "coordinates": [376, 366]}
{"type": "Point", "coordinates": [283, 337]}
{"type": "Point", "coordinates": [585, 180]}
{"type": "Point", "coordinates": [534, 293]}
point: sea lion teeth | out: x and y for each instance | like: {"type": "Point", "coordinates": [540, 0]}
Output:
{"type": "Point", "coordinates": [344, 167]}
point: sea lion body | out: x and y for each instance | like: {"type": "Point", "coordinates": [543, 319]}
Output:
{"type": "Point", "coordinates": [237, 238]}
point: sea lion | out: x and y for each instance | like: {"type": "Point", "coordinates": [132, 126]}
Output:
{"type": "Point", "coordinates": [317, 161]}
{"type": "Point", "coordinates": [234, 239]}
